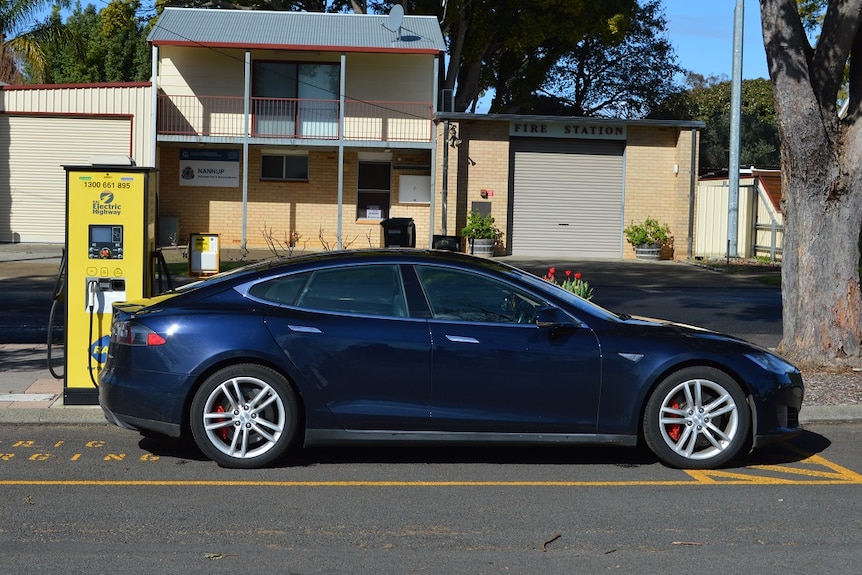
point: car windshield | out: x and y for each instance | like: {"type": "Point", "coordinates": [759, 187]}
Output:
{"type": "Point", "coordinates": [564, 294]}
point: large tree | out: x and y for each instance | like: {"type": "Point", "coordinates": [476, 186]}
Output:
{"type": "Point", "coordinates": [511, 45]}
{"type": "Point", "coordinates": [622, 79]}
{"type": "Point", "coordinates": [821, 158]}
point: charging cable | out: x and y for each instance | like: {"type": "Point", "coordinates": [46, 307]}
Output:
{"type": "Point", "coordinates": [57, 296]}
{"type": "Point", "coordinates": [92, 288]}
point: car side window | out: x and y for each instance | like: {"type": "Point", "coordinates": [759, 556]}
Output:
{"type": "Point", "coordinates": [368, 290]}
{"type": "Point", "coordinates": [466, 296]}
{"type": "Point", "coordinates": [283, 290]}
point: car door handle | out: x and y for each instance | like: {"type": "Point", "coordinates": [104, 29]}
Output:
{"type": "Point", "coordinates": [461, 339]}
{"type": "Point", "coordinates": [303, 329]}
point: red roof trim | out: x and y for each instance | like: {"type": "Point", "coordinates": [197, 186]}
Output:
{"type": "Point", "coordinates": [295, 47]}
{"type": "Point", "coordinates": [76, 86]}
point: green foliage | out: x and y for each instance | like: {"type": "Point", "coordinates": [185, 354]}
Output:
{"type": "Point", "coordinates": [511, 45]}
{"type": "Point", "coordinates": [811, 13]}
{"type": "Point", "coordinates": [648, 232]}
{"type": "Point", "coordinates": [708, 100]}
{"type": "Point", "coordinates": [110, 46]}
{"type": "Point", "coordinates": [23, 37]}
{"type": "Point", "coordinates": [622, 79]}
{"type": "Point", "coordinates": [573, 283]}
{"type": "Point", "coordinates": [481, 227]}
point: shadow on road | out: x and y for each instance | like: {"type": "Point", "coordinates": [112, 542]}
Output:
{"type": "Point", "coordinates": [799, 448]}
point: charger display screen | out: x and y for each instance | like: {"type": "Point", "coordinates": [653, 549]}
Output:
{"type": "Point", "coordinates": [106, 242]}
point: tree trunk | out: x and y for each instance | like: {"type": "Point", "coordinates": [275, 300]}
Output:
{"type": "Point", "coordinates": [822, 191]}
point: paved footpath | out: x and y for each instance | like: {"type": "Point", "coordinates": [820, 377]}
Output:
{"type": "Point", "coordinates": [29, 392]}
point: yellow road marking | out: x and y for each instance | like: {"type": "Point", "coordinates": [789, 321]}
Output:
{"type": "Point", "coordinates": [836, 472]}
{"type": "Point", "coordinates": [198, 483]}
{"type": "Point", "coordinates": [808, 470]}
{"type": "Point", "coordinates": [831, 474]}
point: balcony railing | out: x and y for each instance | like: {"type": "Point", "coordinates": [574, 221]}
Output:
{"type": "Point", "coordinates": [295, 118]}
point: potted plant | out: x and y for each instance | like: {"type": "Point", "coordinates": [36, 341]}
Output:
{"type": "Point", "coordinates": [648, 238]}
{"type": "Point", "coordinates": [482, 233]}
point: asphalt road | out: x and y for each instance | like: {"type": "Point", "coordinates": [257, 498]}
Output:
{"type": "Point", "coordinates": [98, 499]}
{"type": "Point", "coordinates": [25, 307]}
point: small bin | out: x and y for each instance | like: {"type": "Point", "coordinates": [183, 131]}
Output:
{"type": "Point", "coordinates": [448, 243]}
{"type": "Point", "coordinates": [399, 233]}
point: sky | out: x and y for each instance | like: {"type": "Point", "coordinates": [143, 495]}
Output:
{"type": "Point", "coordinates": [701, 32]}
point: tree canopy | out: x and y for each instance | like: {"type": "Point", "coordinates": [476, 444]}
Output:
{"type": "Point", "coordinates": [22, 37]}
{"type": "Point", "coordinates": [109, 46]}
{"type": "Point", "coordinates": [618, 78]}
{"type": "Point", "coordinates": [511, 46]}
{"type": "Point", "coordinates": [708, 100]}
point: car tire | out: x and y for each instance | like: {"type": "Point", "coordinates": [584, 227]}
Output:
{"type": "Point", "coordinates": [244, 416]}
{"type": "Point", "coordinates": [714, 419]}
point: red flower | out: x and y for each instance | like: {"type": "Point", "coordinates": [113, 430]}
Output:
{"type": "Point", "coordinates": [569, 273]}
{"type": "Point", "coordinates": [577, 275]}
{"type": "Point", "coordinates": [552, 271]}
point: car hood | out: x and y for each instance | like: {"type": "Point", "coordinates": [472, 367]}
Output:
{"type": "Point", "coordinates": [683, 330]}
{"type": "Point", "coordinates": [652, 321]}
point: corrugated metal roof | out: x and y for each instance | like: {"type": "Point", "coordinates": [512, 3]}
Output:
{"type": "Point", "coordinates": [295, 31]}
{"type": "Point", "coordinates": [581, 120]}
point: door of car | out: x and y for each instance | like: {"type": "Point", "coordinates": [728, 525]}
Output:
{"type": "Point", "coordinates": [362, 362]}
{"type": "Point", "coordinates": [495, 370]}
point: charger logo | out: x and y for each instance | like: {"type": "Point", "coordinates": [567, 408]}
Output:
{"type": "Point", "coordinates": [99, 349]}
{"type": "Point", "coordinates": [105, 205]}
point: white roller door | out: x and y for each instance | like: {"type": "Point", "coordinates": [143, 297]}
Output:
{"type": "Point", "coordinates": [33, 151]}
{"type": "Point", "coordinates": [567, 197]}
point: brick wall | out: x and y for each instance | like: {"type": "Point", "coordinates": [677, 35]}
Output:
{"type": "Point", "coordinates": [480, 162]}
{"type": "Point", "coordinates": [276, 209]}
{"type": "Point", "coordinates": [658, 182]}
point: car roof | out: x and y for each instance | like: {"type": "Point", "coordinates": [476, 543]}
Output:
{"type": "Point", "coordinates": [346, 257]}
{"type": "Point", "coordinates": [407, 255]}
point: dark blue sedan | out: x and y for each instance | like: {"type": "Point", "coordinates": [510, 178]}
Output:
{"type": "Point", "coordinates": [430, 346]}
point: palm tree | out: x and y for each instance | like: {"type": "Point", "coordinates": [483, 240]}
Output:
{"type": "Point", "coordinates": [26, 36]}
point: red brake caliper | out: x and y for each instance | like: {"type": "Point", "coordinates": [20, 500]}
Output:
{"type": "Point", "coordinates": [674, 431]}
{"type": "Point", "coordinates": [224, 430]}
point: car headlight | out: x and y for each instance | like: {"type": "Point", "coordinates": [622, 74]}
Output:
{"type": "Point", "coordinates": [771, 363]}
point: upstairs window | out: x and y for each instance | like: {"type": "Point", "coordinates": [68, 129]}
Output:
{"type": "Point", "coordinates": [295, 100]}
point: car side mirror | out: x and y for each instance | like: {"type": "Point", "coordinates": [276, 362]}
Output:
{"type": "Point", "coordinates": [553, 319]}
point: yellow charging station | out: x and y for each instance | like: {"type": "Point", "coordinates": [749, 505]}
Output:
{"type": "Point", "coordinates": [110, 240]}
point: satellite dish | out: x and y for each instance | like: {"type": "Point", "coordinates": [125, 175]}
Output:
{"type": "Point", "coordinates": [396, 17]}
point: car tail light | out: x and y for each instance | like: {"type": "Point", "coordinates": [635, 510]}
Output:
{"type": "Point", "coordinates": [129, 333]}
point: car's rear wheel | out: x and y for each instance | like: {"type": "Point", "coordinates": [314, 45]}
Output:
{"type": "Point", "coordinates": [697, 418]}
{"type": "Point", "coordinates": [244, 416]}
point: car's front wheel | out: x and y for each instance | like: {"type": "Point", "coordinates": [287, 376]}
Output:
{"type": "Point", "coordinates": [244, 416]}
{"type": "Point", "coordinates": [697, 418]}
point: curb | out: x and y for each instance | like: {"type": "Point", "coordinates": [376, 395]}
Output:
{"type": "Point", "coordinates": [830, 413]}
{"type": "Point", "coordinates": [92, 415]}
{"type": "Point", "coordinates": [77, 415]}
